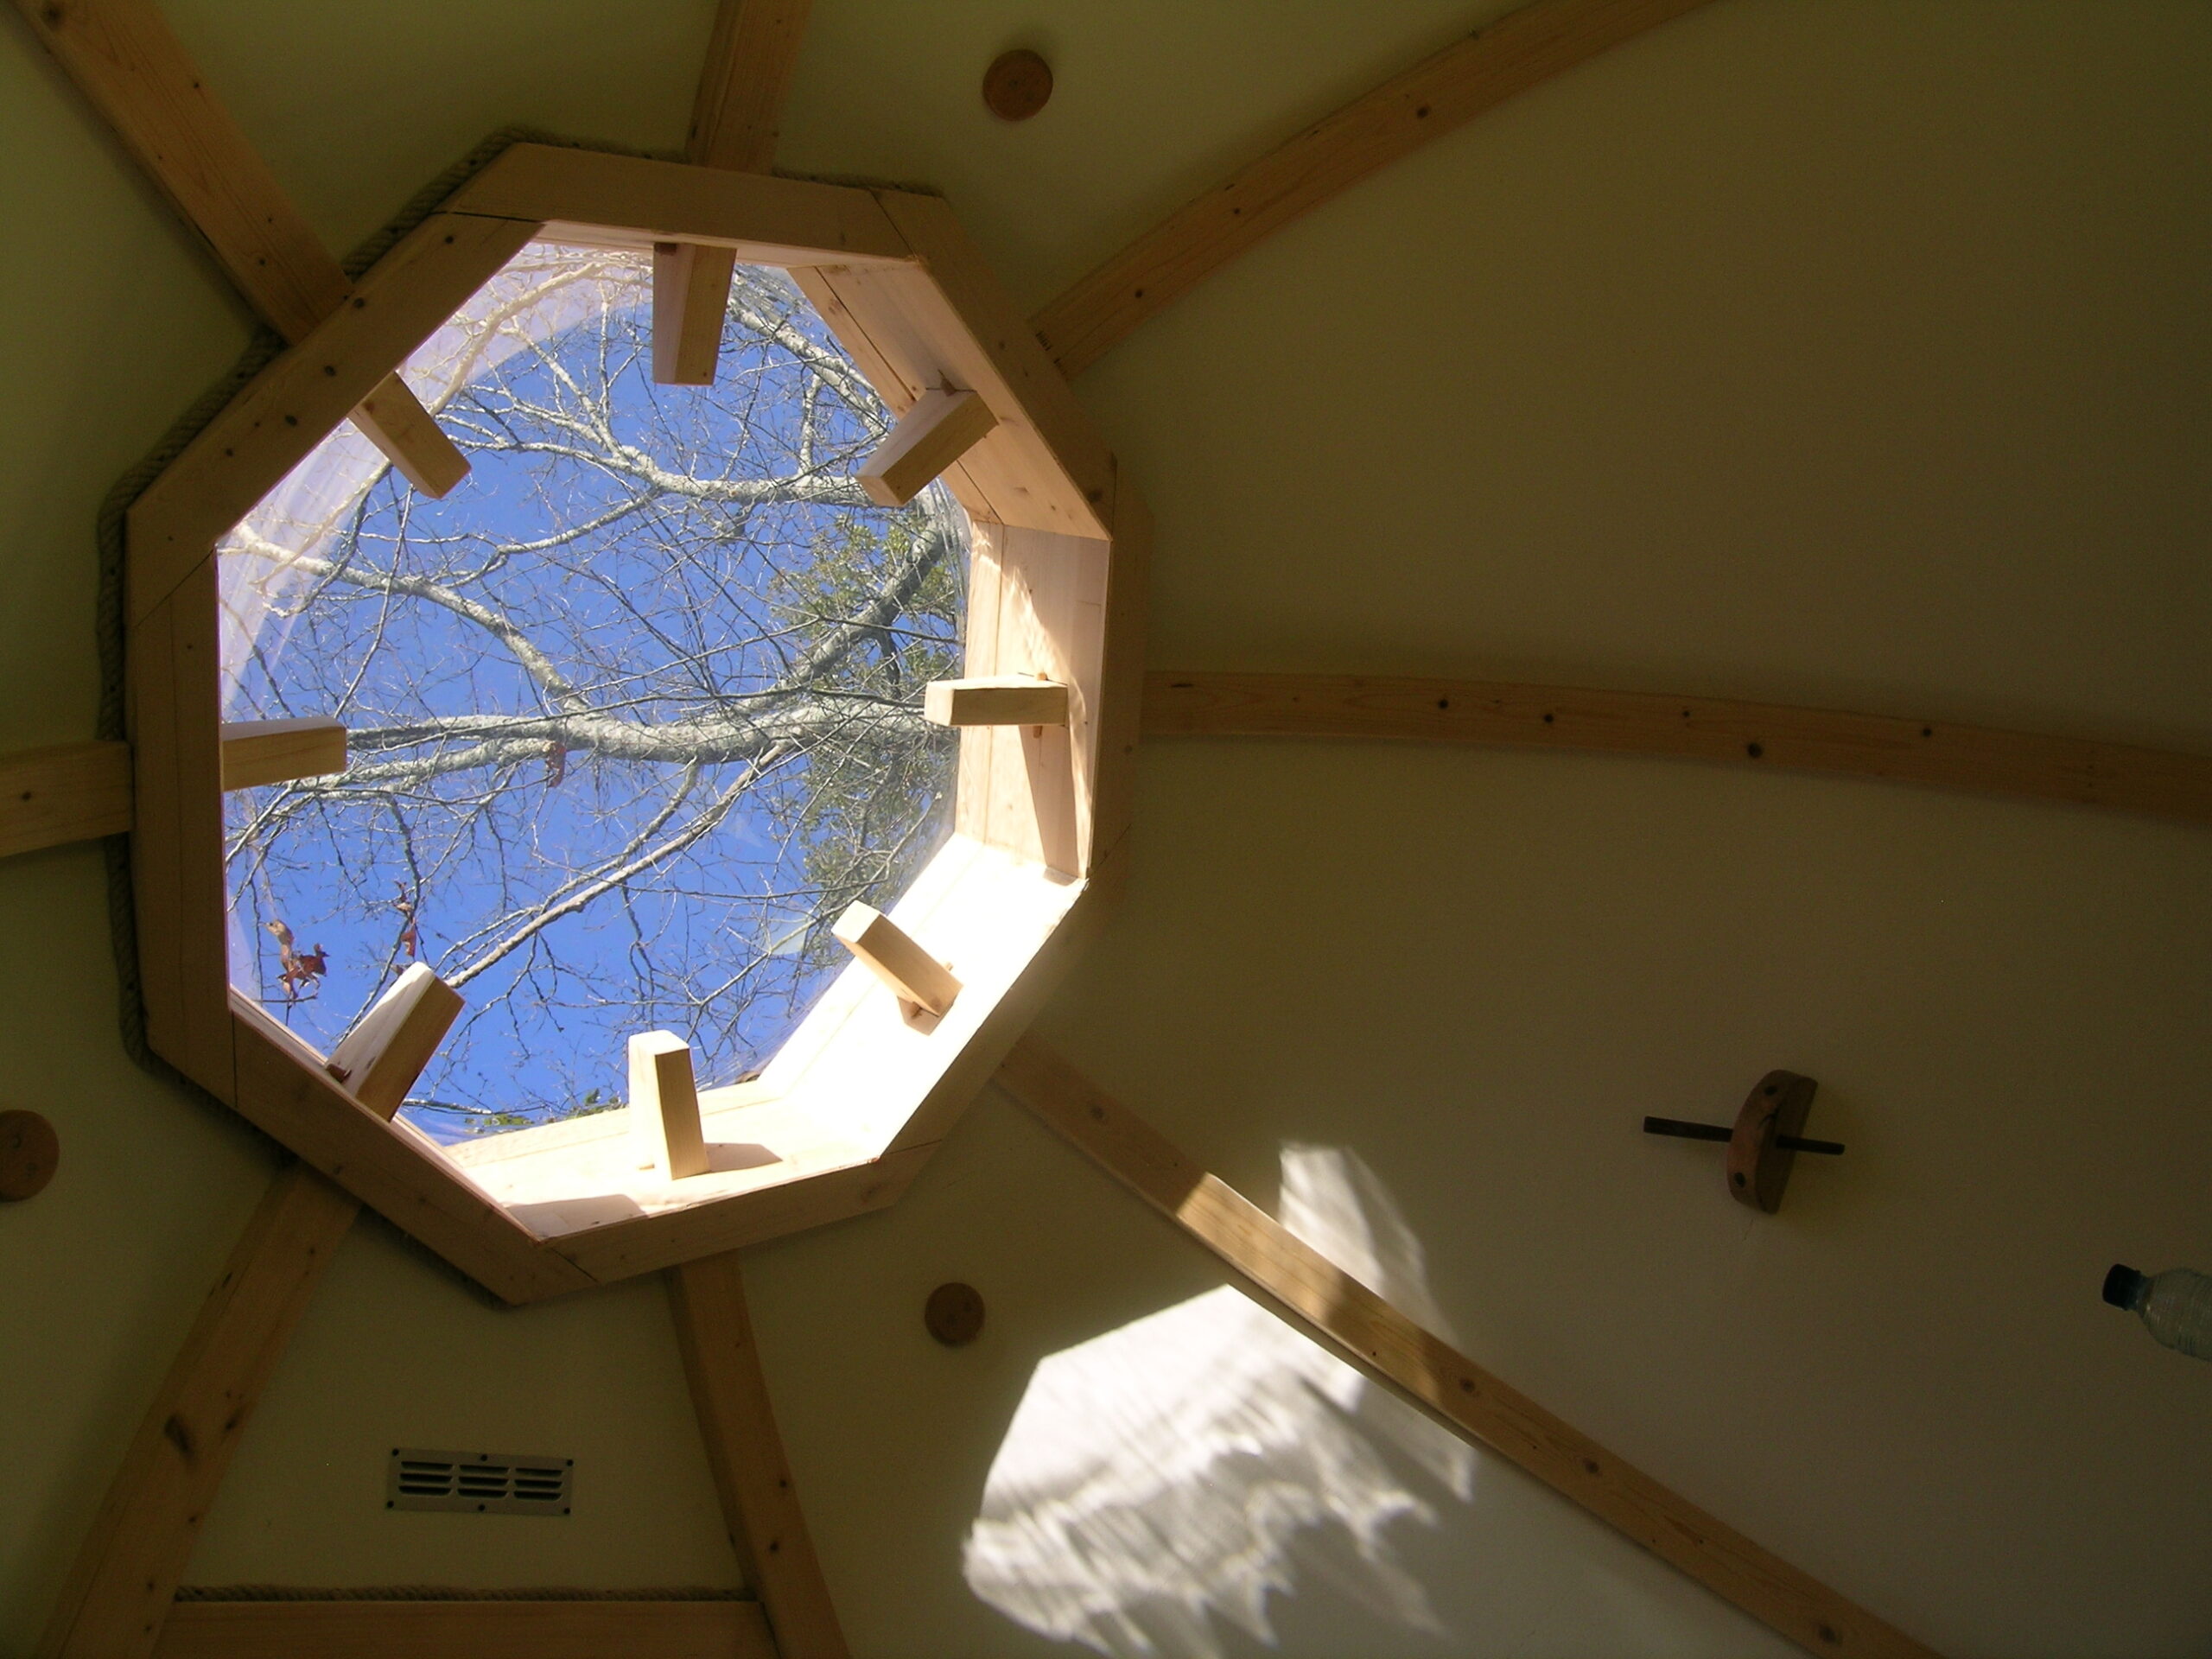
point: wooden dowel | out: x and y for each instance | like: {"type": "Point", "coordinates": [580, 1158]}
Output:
{"type": "Point", "coordinates": [1010, 700]}
{"type": "Point", "coordinates": [261, 752]}
{"type": "Point", "coordinates": [665, 1106]}
{"type": "Point", "coordinates": [380, 1059]}
{"type": "Point", "coordinates": [941, 427]}
{"type": "Point", "coordinates": [1185, 704]}
{"type": "Point", "coordinates": [72, 792]}
{"type": "Point", "coordinates": [1419, 1365]}
{"type": "Point", "coordinates": [887, 949]}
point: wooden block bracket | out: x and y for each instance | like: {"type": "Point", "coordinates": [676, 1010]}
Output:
{"type": "Point", "coordinates": [380, 1059]}
{"type": "Point", "coordinates": [665, 1106]}
{"type": "Point", "coordinates": [943, 425]}
{"type": "Point", "coordinates": [1003, 700]}
{"type": "Point", "coordinates": [917, 978]}
{"type": "Point", "coordinates": [260, 752]}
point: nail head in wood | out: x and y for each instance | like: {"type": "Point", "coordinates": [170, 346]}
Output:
{"type": "Point", "coordinates": [29, 1153]}
{"type": "Point", "coordinates": [954, 1314]}
{"type": "Point", "coordinates": [942, 426]}
{"type": "Point", "coordinates": [1017, 84]}
{"type": "Point", "coordinates": [665, 1106]}
{"type": "Point", "coordinates": [893, 956]}
{"type": "Point", "coordinates": [1010, 700]}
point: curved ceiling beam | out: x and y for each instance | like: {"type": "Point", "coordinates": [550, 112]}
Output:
{"type": "Point", "coordinates": [1940, 753]}
{"type": "Point", "coordinates": [1432, 97]}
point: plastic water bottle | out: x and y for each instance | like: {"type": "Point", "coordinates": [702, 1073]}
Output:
{"type": "Point", "coordinates": [2177, 1306]}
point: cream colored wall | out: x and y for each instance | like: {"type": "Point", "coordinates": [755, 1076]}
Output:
{"type": "Point", "coordinates": [1849, 352]}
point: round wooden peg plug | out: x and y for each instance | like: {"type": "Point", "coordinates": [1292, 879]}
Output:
{"type": "Point", "coordinates": [1017, 84]}
{"type": "Point", "coordinates": [954, 1314]}
{"type": "Point", "coordinates": [29, 1153]}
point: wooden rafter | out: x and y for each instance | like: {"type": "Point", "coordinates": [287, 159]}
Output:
{"type": "Point", "coordinates": [71, 792]}
{"type": "Point", "coordinates": [1940, 753]}
{"type": "Point", "coordinates": [1329, 1302]}
{"type": "Point", "coordinates": [752, 1476]}
{"type": "Point", "coordinates": [1432, 97]}
{"type": "Point", "coordinates": [118, 1595]}
{"type": "Point", "coordinates": [751, 59]}
{"type": "Point", "coordinates": [136, 74]}
{"type": "Point", "coordinates": [76, 792]}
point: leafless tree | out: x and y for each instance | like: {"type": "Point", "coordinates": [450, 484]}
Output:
{"type": "Point", "coordinates": [633, 714]}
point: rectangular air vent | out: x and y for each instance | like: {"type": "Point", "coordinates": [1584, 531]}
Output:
{"type": "Point", "coordinates": [478, 1482]}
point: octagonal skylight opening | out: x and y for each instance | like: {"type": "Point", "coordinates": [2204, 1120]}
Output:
{"type": "Point", "coordinates": [634, 712]}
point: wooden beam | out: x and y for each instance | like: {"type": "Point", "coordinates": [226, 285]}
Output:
{"type": "Point", "coordinates": [1939, 753]}
{"type": "Point", "coordinates": [261, 752]}
{"type": "Point", "coordinates": [136, 74]}
{"type": "Point", "coordinates": [282, 1087]}
{"type": "Point", "coordinates": [738, 1422]}
{"type": "Point", "coordinates": [72, 792]}
{"type": "Point", "coordinates": [1000, 700]}
{"type": "Point", "coordinates": [747, 75]}
{"type": "Point", "coordinates": [893, 956]}
{"type": "Point", "coordinates": [562, 1627]}
{"type": "Point", "coordinates": [665, 1106]}
{"type": "Point", "coordinates": [942, 426]}
{"type": "Point", "coordinates": [1336, 1307]}
{"type": "Point", "coordinates": [1434, 97]}
{"type": "Point", "coordinates": [380, 1059]}
{"type": "Point", "coordinates": [118, 1596]}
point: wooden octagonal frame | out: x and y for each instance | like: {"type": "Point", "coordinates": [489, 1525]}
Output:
{"type": "Point", "coordinates": [856, 1100]}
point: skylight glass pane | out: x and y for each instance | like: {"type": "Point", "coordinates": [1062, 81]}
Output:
{"type": "Point", "coordinates": [634, 712]}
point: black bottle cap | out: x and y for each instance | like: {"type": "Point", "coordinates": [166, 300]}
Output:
{"type": "Point", "coordinates": [2123, 1285]}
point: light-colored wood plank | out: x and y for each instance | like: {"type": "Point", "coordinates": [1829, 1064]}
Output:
{"type": "Point", "coordinates": [177, 847]}
{"type": "Point", "coordinates": [897, 959]}
{"type": "Point", "coordinates": [1336, 1307]}
{"type": "Point", "coordinates": [759, 1503]}
{"type": "Point", "coordinates": [999, 700]}
{"type": "Point", "coordinates": [1013, 372]}
{"type": "Point", "coordinates": [135, 73]}
{"type": "Point", "coordinates": [622, 1248]}
{"type": "Point", "coordinates": [664, 1129]}
{"type": "Point", "coordinates": [621, 201]}
{"type": "Point", "coordinates": [1112, 751]}
{"type": "Point", "coordinates": [1942, 754]}
{"type": "Point", "coordinates": [942, 426]}
{"type": "Point", "coordinates": [558, 1629]}
{"type": "Point", "coordinates": [1432, 97]}
{"type": "Point", "coordinates": [691, 298]}
{"type": "Point", "coordinates": [240, 456]}
{"type": "Point", "coordinates": [751, 58]}
{"type": "Point", "coordinates": [257, 753]}
{"type": "Point", "coordinates": [1033, 614]}
{"type": "Point", "coordinates": [380, 1059]}
{"type": "Point", "coordinates": [117, 1595]}
{"type": "Point", "coordinates": [283, 1088]}
{"type": "Point", "coordinates": [72, 792]}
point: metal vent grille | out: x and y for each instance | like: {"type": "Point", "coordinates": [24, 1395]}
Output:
{"type": "Point", "coordinates": [478, 1482]}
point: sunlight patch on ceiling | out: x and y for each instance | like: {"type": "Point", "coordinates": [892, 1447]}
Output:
{"type": "Point", "coordinates": [1174, 1474]}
